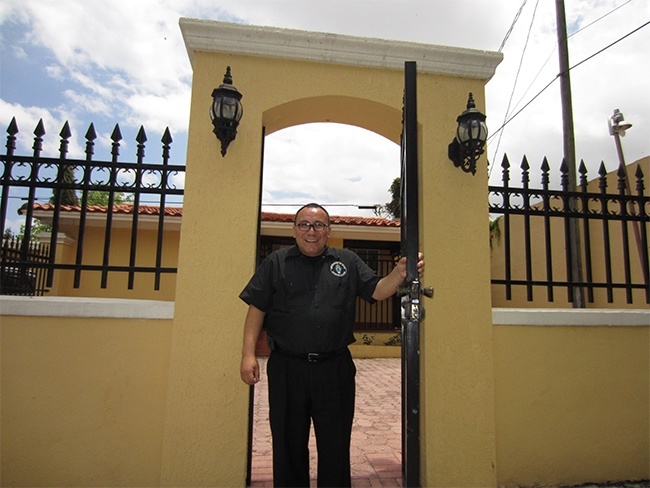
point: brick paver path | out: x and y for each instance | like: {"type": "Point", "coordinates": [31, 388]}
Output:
{"type": "Point", "coordinates": [376, 432]}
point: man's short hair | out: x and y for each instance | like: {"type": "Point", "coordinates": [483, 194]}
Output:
{"type": "Point", "coordinates": [311, 205]}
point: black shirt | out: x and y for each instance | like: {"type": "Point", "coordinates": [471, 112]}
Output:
{"type": "Point", "coordinates": [310, 301]}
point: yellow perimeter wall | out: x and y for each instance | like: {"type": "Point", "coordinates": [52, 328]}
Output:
{"type": "Point", "coordinates": [84, 395]}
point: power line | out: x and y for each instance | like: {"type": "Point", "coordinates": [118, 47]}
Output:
{"type": "Point", "coordinates": [570, 35]}
{"type": "Point", "coordinates": [506, 120]}
{"type": "Point", "coordinates": [599, 19]}
{"type": "Point", "coordinates": [512, 26]}
{"type": "Point", "coordinates": [560, 74]}
{"type": "Point", "coordinates": [521, 62]}
{"type": "Point", "coordinates": [610, 45]}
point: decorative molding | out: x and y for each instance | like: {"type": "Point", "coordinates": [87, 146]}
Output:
{"type": "Point", "coordinates": [253, 40]}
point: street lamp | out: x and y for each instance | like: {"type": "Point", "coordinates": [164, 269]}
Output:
{"type": "Point", "coordinates": [465, 149]}
{"type": "Point", "coordinates": [226, 111]}
{"type": "Point", "coordinates": [617, 128]}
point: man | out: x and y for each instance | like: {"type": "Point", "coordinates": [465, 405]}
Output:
{"type": "Point", "coordinates": [305, 296]}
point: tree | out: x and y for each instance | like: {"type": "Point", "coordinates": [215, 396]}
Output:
{"type": "Point", "coordinates": [100, 198]}
{"type": "Point", "coordinates": [495, 230]}
{"type": "Point", "coordinates": [37, 228]}
{"type": "Point", "coordinates": [393, 208]}
{"type": "Point", "coordinates": [68, 195]}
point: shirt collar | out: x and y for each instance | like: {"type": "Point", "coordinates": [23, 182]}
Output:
{"type": "Point", "coordinates": [329, 251]}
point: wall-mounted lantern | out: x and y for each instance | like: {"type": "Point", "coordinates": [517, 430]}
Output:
{"type": "Point", "coordinates": [470, 138]}
{"type": "Point", "coordinates": [226, 111]}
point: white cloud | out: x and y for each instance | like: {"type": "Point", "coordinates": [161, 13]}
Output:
{"type": "Point", "coordinates": [329, 163]}
{"type": "Point", "coordinates": [125, 62]}
{"type": "Point", "coordinates": [27, 118]}
{"type": "Point", "coordinates": [613, 79]}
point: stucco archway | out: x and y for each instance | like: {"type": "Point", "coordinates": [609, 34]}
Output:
{"type": "Point", "coordinates": [367, 114]}
{"type": "Point", "coordinates": [287, 78]}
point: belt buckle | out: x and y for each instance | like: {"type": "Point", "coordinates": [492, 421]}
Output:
{"type": "Point", "coordinates": [313, 357]}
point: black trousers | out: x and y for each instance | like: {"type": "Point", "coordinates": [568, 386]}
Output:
{"type": "Point", "coordinates": [301, 392]}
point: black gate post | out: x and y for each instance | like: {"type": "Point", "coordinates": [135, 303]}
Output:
{"type": "Point", "coordinates": [410, 301]}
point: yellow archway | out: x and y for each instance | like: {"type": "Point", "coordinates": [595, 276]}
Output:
{"type": "Point", "coordinates": [367, 114]}
{"type": "Point", "coordinates": [289, 78]}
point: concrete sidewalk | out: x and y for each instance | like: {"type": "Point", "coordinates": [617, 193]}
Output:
{"type": "Point", "coordinates": [376, 433]}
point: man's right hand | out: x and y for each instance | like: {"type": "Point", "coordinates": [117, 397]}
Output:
{"type": "Point", "coordinates": [250, 370]}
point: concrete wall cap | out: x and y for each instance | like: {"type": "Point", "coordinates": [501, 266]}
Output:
{"type": "Point", "coordinates": [86, 307]}
{"type": "Point", "coordinates": [570, 317]}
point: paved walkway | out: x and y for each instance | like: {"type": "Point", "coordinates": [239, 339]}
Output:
{"type": "Point", "coordinates": [376, 432]}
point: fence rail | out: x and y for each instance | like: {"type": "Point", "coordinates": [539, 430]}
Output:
{"type": "Point", "coordinates": [73, 182]}
{"type": "Point", "coordinates": [535, 224]}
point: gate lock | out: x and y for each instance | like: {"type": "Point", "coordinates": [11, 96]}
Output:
{"type": "Point", "coordinates": [412, 309]}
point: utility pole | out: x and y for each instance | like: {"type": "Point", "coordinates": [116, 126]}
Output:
{"type": "Point", "coordinates": [569, 153]}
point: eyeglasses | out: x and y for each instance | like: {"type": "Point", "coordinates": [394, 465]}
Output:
{"type": "Point", "coordinates": [317, 226]}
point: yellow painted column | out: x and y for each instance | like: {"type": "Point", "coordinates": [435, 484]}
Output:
{"type": "Point", "coordinates": [457, 384]}
{"type": "Point", "coordinates": [205, 442]}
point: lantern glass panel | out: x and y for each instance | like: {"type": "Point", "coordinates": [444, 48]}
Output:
{"type": "Point", "coordinates": [229, 108]}
{"type": "Point", "coordinates": [462, 133]}
{"type": "Point", "coordinates": [474, 129]}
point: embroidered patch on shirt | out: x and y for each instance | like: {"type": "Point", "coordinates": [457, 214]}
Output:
{"type": "Point", "coordinates": [338, 269]}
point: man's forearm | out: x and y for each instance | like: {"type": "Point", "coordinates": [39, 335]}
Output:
{"type": "Point", "coordinates": [387, 286]}
{"type": "Point", "coordinates": [252, 327]}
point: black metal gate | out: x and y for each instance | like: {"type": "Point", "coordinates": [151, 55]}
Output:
{"type": "Point", "coordinates": [411, 293]}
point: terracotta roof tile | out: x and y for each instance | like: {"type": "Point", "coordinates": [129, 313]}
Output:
{"type": "Point", "coordinates": [127, 208]}
{"type": "Point", "coordinates": [335, 220]}
{"type": "Point", "coordinates": [124, 208]}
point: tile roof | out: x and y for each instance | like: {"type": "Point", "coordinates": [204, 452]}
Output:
{"type": "Point", "coordinates": [127, 208]}
{"type": "Point", "coordinates": [335, 220]}
{"type": "Point", "coordinates": [124, 208]}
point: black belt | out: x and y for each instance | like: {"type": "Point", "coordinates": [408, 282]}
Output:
{"type": "Point", "coordinates": [312, 357]}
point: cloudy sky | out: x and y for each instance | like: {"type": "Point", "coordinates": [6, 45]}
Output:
{"type": "Point", "coordinates": [124, 61]}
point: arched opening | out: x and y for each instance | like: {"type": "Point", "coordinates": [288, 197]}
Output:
{"type": "Point", "coordinates": [343, 153]}
{"type": "Point", "coordinates": [344, 167]}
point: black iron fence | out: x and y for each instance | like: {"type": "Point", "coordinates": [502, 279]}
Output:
{"type": "Point", "coordinates": [612, 214]}
{"type": "Point", "coordinates": [534, 235]}
{"type": "Point", "coordinates": [73, 184]}
{"type": "Point", "coordinates": [17, 275]}
{"type": "Point", "coordinates": [385, 314]}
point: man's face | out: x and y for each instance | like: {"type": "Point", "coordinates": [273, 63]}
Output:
{"type": "Point", "coordinates": [311, 242]}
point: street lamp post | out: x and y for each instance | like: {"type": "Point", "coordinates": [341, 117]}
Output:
{"type": "Point", "coordinates": [617, 128]}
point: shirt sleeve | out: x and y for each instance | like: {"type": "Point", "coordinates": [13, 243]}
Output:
{"type": "Point", "coordinates": [258, 291]}
{"type": "Point", "coordinates": [367, 279]}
